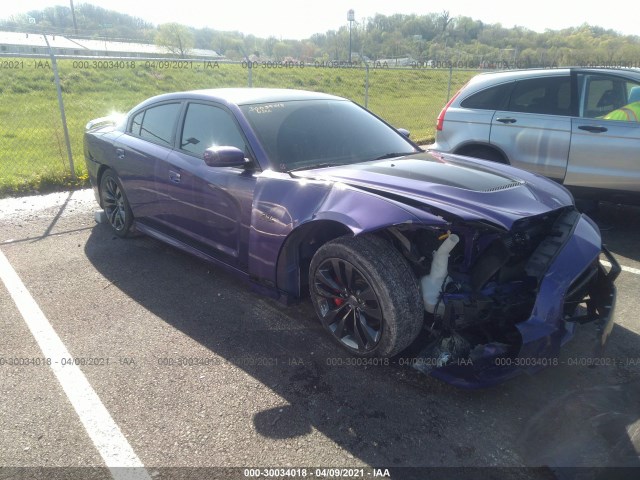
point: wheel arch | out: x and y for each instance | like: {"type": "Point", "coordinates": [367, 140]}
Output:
{"type": "Point", "coordinates": [301, 244]}
{"type": "Point", "coordinates": [471, 149]}
{"type": "Point", "coordinates": [298, 249]}
{"type": "Point", "coordinates": [101, 169]}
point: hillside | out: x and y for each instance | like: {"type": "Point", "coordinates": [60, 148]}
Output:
{"type": "Point", "coordinates": [91, 22]}
{"type": "Point", "coordinates": [435, 38]}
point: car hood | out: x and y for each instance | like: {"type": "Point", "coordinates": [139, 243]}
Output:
{"type": "Point", "coordinates": [452, 185]}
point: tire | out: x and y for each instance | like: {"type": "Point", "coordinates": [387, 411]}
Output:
{"type": "Point", "coordinates": [589, 206]}
{"type": "Point", "coordinates": [115, 204]}
{"type": "Point", "coordinates": [366, 296]}
{"type": "Point", "coordinates": [485, 153]}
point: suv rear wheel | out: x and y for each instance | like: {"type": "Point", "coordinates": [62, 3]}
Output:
{"type": "Point", "coordinates": [483, 152]}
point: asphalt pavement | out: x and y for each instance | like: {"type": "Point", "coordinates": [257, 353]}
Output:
{"type": "Point", "coordinates": [128, 353]}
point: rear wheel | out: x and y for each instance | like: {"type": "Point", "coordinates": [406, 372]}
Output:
{"type": "Point", "coordinates": [483, 152]}
{"type": "Point", "coordinates": [115, 204]}
{"type": "Point", "coordinates": [366, 296]}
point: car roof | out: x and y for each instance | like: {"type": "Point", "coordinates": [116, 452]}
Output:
{"type": "Point", "coordinates": [549, 72]}
{"type": "Point", "coordinates": [243, 96]}
{"type": "Point", "coordinates": [487, 79]}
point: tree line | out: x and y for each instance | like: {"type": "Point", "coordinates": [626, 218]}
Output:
{"type": "Point", "coordinates": [436, 38]}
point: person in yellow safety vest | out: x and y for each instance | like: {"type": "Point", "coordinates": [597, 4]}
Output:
{"type": "Point", "coordinates": [628, 113]}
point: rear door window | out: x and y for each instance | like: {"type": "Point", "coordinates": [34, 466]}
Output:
{"type": "Point", "coordinates": [546, 95]}
{"type": "Point", "coordinates": [156, 124]}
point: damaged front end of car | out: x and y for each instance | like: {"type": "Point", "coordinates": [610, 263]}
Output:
{"type": "Point", "coordinates": [499, 303]}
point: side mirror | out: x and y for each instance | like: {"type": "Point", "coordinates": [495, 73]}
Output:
{"type": "Point", "coordinates": [224, 156]}
{"type": "Point", "coordinates": [404, 132]}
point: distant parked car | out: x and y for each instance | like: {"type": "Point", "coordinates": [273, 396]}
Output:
{"type": "Point", "coordinates": [556, 122]}
{"type": "Point", "coordinates": [480, 268]}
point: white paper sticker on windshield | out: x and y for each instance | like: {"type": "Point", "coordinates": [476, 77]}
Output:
{"type": "Point", "coordinates": [267, 108]}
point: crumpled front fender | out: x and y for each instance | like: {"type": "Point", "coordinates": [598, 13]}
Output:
{"type": "Point", "coordinates": [283, 204]}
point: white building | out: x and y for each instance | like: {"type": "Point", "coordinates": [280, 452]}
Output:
{"type": "Point", "coordinates": [15, 43]}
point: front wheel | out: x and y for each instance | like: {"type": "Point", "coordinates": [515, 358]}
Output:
{"type": "Point", "coordinates": [366, 296]}
{"type": "Point", "coordinates": [115, 204]}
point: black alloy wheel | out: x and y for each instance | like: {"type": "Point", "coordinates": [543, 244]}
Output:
{"type": "Point", "coordinates": [366, 295]}
{"type": "Point", "coordinates": [349, 307]}
{"type": "Point", "coordinates": [115, 204]}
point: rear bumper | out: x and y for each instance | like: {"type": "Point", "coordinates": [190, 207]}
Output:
{"type": "Point", "coordinates": [92, 169]}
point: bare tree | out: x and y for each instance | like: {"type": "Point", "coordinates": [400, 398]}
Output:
{"type": "Point", "coordinates": [444, 20]}
{"type": "Point", "coordinates": [176, 38]}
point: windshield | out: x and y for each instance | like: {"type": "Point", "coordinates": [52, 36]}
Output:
{"type": "Point", "coordinates": [317, 133]}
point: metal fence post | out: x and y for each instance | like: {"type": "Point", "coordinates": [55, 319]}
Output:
{"type": "Point", "coordinates": [56, 77]}
{"type": "Point", "coordinates": [366, 86]}
{"type": "Point", "coordinates": [449, 84]}
{"type": "Point", "coordinates": [249, 68]}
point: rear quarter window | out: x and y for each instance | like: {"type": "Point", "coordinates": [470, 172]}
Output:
{"type": "Point", "coordinates": [136, 123]}
{"type": "Point", "coordinates": [492, 98]}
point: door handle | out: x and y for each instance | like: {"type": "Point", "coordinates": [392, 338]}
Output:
{"type": "Point", "coordinates": [174, 176]}
{"type": "Point", "coordinates": [593, 128]}
{"type": "Point", "coordinates": [120, 153]}
{"type": "Point", "coordinates": [506, 120]}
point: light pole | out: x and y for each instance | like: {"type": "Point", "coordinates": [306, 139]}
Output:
{"type": "Point", "coordinates": [351, 16]}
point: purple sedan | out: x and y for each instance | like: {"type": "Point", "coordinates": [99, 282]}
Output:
{"type": "Point", "coordinates": [473, 271]}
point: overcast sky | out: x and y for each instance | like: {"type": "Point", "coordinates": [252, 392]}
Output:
{"type": "Point", "coordinates": [299, 19]}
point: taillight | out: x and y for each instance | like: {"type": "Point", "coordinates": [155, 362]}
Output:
{"type": "Point", "coordinates": [440, 121]}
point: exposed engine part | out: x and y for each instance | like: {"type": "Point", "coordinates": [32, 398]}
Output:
{"type": "Point", "coordinates": [496, 307]}
{"type": "Point", "coordinates": [552, 243]}
{"type": "Point", "coordinates": [433, 283]}
{"type": "Point", "coordinates": [492, 259]}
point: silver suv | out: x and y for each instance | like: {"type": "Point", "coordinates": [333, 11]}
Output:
{"type": "Point", "coordinates": [578, 126]}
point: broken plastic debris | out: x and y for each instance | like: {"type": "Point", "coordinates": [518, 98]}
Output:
{"type": "Point", "coordinates": [100, 216]}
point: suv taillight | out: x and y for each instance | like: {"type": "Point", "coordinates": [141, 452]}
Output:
{"type": "Point", "coordinates": [440, 121]}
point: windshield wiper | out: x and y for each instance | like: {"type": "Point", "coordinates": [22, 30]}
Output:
{"type": "Point", "coordinates": [394, 154]}
{"type": "Point", "coordinates": [316, 165]}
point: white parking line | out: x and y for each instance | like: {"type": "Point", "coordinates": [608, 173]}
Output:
{"type": "Point", "coordinates": [114, 448]}
{"type": "Point", "coordinates": [635, 271]}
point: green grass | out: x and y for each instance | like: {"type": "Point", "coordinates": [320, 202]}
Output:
{"type": "Point", "coordinates": [33, 155]}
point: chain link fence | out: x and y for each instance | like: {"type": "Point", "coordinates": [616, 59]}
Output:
{"type": "Point", "coordinates": [47, 101]}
